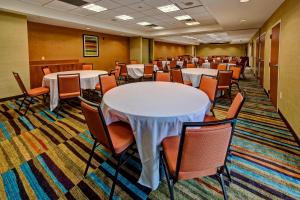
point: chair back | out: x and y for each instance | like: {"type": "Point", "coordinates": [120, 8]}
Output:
{"type": "Point", "coordinates": [20, 83]}
{"type": "Point", "coordinates": [123, 69]}
{"type": "Point", "coordinates": [160, 65]}
{"type": "Point", "coordinates": [236, 105]}
{"type": "Point", "coordinates": [87, 67]}
{"type": "Point", "coordinates": [148, 69]}
{"type": "Point", "coordinates": [222, 67]}
{"type": "Point", "coordinates": [176, 76]}
{"type": "Point", "coordinates": [107, 82]}
{"type": "Point", "coordinates": [46, 70]}
{"type": "Point", "coordinates": [173, 64]}
{"type": "Point", "coordinates": [68, 85]}
{"type": "Point", "coordinates": [96, 123]}
{"type": "Point", "coordinates": [163, 76]}
{"type": "Point", "coordinates": [209, 84]}
{"type": "Point", "coordinates": [190, 65]}
{"type": "Point", "coordinates": [214, 65]}
{"type": "Point", "coordinates": [117, 72]}
{"type": "Point", "coordinates": [224, 78]}
{"type": "Point", "coordinates": [236, 72]}
{"type": "Point", "coordinates": [134, 62]}
{"type": "Point", "coordinates": [203, 148]}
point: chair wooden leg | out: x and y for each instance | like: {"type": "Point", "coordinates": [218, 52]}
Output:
{"type": "Point", "coordinates": [169, 181]}
{"type": "Point", "coordinates": [90, 158]}
{"type": "Point", "coordinates": [22, 103]}
{"type": "Point", "coordinates": [116, 176]}
{"type": "Point", "coordinates": [228, 172]}
{"type": "Point", "coordinates": [30, 102]}
{"type": "Point", "coordinates": [221, 181]}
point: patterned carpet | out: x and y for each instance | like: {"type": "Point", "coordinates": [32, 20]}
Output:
{"type": "Point", "coordinates": [42, 157]}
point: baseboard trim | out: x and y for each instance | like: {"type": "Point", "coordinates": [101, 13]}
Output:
{"type": "Point", "coordinates": [289, 127]}
{"type": "Point", "coordinates": [10, 98]}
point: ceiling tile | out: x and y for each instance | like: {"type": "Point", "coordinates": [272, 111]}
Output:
{"type": "Point", "coordinates": [37, 2]}
{"type": "Point", "coordinates": [82, 12]}
{"type": "Point", "coordinates": [187, 3]}
{"type": "Point", "coordinates": [157, 3]}
{"type": "Point", "coordinates": [126, 2]}
{"type": "Point", "coordinates": [58, 5]}
{"type": "Point", "coordinates": [140, 7]}
{"type": "Point", "coordinates": [108, 4]}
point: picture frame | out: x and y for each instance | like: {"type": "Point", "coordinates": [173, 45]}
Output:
{"type": "Point", "coordinates": [90, 45]}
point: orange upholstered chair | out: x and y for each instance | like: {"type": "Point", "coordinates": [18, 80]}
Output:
{"type": "Point", "coordinates": [134, 62]}
{"type": "Point", "coordinates": [224, 81]}
{"type": "Point", "coordinates": [148, 71]}
{"type": "Point", "coordinates": [173, 64]}
{"type": "Point", "coordinates": [87, 67]}
{"type": "Point", "coordinates": [222, 67]}
{"type": "Point", "coordinates": [28, 95]}
{"type": "Point", "coordinates": [209, 84]}
{"type": "Point", "coordinates": [123, 73]}
{"type": "Point", "coordinates": [106, 83]}
{"type": "Point", "coordinates": [68, 88]}
{"type": "Point", "coordinates": [236, 73]}
{"type": "Point", "coordinates": [117, 72]}
{"type": "Point", "coordinates": [116, 137]}
{"type": "Point", "coordinates": [46, 70]}
{"type": "Point", "coordinates": [190, 65]}
{"type": "Point", "coordinates": [160, 65]}
{"type": "Point", "coordinates": [199, 151]}
{"type": "Point", "coordinates": [163, 76]}
{"type": "Point", "coordinates": [176, 76]}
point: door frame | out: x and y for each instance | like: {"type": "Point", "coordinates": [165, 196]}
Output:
{"type": "Point", "coordinates": [262, 36]}
{"type": "Point", "coordinates": [279, 66]}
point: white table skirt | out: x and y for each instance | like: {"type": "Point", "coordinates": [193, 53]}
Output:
{"type": "Point", "coordinates": [155, 110]}
{"type": "Point", "coordinates": [137, 70]}
{"type": "Point", "coordinates": [167, 62]}
{"type": "Point", "coordinates": [194, 74]}
{"type": "Point", "coordinates": [206, 65]}
{"type": "Point", "coordinates": [88, 80]}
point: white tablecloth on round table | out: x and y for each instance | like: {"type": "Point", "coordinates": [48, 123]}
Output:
{"type": "Point", "coordinates": [206, 65]}
{"type": "Point", "coordinates": [155, 110]}
{"type": "Point", "coordinates": [137, 70]}
{"type": "Point", "coordinates": [195, 60]}
{"type": "Point", "coordinates": [194, 74]}
{"type": "Point", "coordinates": [88, 80]}
{"type": "Point", "coordinates": [167, 62]}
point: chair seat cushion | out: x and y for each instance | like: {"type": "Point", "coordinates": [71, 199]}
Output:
{"type": "Point", "coordinates": [69, 95]}
{"type": "Point", "coordinates": [121, 136]}
{"type": "Point", "coordinates": [98, 87]}
{"type": "Point", "coordinates": [38, 91]}
{"type": "Point", "coordinates": [188, 83]}
{"type": "Point", "coordinates": [209, 118]}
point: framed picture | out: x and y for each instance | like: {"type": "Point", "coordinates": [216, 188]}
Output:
{"type": "Point", "coordinates": [90, 46]}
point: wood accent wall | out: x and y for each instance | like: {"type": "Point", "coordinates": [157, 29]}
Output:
{"type": "Point", "coordinates": [60, 43]}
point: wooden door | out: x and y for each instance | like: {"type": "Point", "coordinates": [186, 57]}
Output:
{"type": "Point", "coordinates": [274, 64]}
{"type": "Point", "coordinates": [261, 60]}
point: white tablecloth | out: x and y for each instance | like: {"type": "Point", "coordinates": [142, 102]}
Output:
{"type": "Point", "coordinates": [206, 65]}
{"type": "Point", "coordinates": [167, 62]}
{"type": "Point", "coordinates": [88, 80]}
{"type": "Point", "coordinates": [155, 110]}
{"type": "Point", "coordinates": [137, 70]}
{"type": "Point", "coordinates": [195, 60]}
{"type": "Point", "coordinates": [194, 74]}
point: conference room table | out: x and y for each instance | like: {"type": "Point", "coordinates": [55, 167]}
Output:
{"type": "Point", "coordinates": [136, 71]}
{"type": "Point", "coordinates": [88, 80]}
{"type": "Point", "coordinates": [154, 110]}
{"type": "Point", "coordinates": [194, 74]}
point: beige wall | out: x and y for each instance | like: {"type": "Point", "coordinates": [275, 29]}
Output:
{"type": "Point", "coordinates": [164, 50]}
{"type": "Point", "coordinates": [221, 49]}
{"type": "Point", "coordinates": [136, 47]}
{"type": "Point", "coordinates": [289, 59]}
{"type": "Point", "coordinates": [145, 50]}
{"type": "Point", "coordinates": [13, 53]}
{"type": "Point", "coordinates": [60, 43]}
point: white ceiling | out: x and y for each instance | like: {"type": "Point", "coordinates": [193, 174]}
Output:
{"type": "Point", "coordinates": [220, 21]}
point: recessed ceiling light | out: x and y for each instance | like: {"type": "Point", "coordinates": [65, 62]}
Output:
{"type": "Point", "coordinates": [244, 1]}
{"type": "Point", "coordinates": [189, 37]}
{"type": "Point", "coordinates": [183, 17]}
{"type": "Point", "coordinates": [87, 28]}
{"type": "Point", "coordinates": [168, 8]}
{"type": "Point", "coordinates": [143, 23]}
{"type": "Point", "coordinates": [124, 17]}
{"type": "Point", "coordinates": [192, 23]}
{"type": "Point", "coordinates": [94, 7]}
{"type": "Point", "coordinates": [158, 27]}
{"type": "Point", "coordinates": [243, 20]}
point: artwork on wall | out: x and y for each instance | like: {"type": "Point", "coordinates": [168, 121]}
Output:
{"type": "Point", "coordinates": [90, 46]}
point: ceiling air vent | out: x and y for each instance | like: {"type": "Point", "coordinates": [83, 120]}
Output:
{"type": "Point", "coordinates": [75, 2]}
{"type": "Point", "coordinates": [151, 25]}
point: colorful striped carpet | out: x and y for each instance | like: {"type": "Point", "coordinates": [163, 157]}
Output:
{"type": "Point", "coordinates": [42, 157]}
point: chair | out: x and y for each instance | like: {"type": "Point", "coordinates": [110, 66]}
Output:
{"type": "Point", "coordinates": [222, 67]}
{"type": "Point", "coordinates": [209, 84]}
{"type": "Point", "coordinates": [163, 76]}
{"type": "Point", "coordinates": [87, 67]}
{"type": "Point", "coordinates": [123, 73]}
{"type": "Point", "coordinates": [201, 150]}
{"type": "Point", "coordinates": [106, 83]}
{"type": "Point", "coordinates": [117, 72]}
{"type": "Point", "coordinates": [160, 65]}
{"type": "Point", "coordinates": [68, 88]}
{"type": "Point", "coordinates": [236, 73]}
{"type": "Point", "coordinates": [134, 62]}
{"type": "Point", "coordinates": [173, 64]}
{"type": "Point", "coordinates": [224, 81]}
{"type": "Point", "coordinates": [190, 65]}
{"type": "Point", "coordinates": [46, 70]}
{"type": "Point", "coordinates": [176, 76]}
{"type": "Point", "coordinates": [148, 72]}
{"type": "Point", "coordinates": [31, 94]}
{"type": "Point", "coordinates": [117, 137]}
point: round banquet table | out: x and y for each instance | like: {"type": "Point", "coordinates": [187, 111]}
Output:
{"type": "Point", "coordinates": [155, 110]}
{"type": "Point", "coordinates": [194, 74]}
{"type": "Point", "coordinates": [206, 65]}
{"type": "Point", "coordinates": [165, 63]}
{"type": "Point", "coordinates": [88, 80]}
{"type": "Point", "coordinates": [137, 70]}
